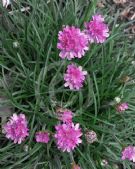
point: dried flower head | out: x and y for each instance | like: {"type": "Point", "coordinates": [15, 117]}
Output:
{"type": "Point", "coordinates": [91, 136]}
{"type": "Point", "coordinates": [68, 136]}
{"type": "Point", "coordinates": [75, 166]}
{"type": "Point", "coordinates": [96, 29]}
{"type": "Point", "coordinates": [16, 128]}
{"type": "Point", "coordinates": [74, 77]}
{"type": "Point", "coordinates": [72, 43]}
{"type": "Point", "coordinates": [125, 79]}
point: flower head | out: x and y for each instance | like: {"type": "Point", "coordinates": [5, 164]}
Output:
{"type": "Point", "coordinates": [74, 77]}
{"type": "Point", "coordinates": [68, 136]}
{"type": "Point", "coordinates": [72, 43]}
{"type": "Point", "coordinates": [91, 136]}
{"type": "Point", "coordinates": [16, 129]}
{"type": "Point", "coordinates": [96, 29]}
{"type": "Point", "coordinates": [129, 153]}
{"type": "Point", "coordinates": [42, 137]}
{"type": "Point", "coordinates": [66, 116]}
{"type": "Point", "coordinates": [122, 107]}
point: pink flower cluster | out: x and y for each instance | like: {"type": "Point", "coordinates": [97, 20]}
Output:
{"type": "Point", "coordinates": [73, 43]}
{"type": "Point", "coordinates": [66, 116]}
{"type": "Point", "coordinates": [74, 77]}
{"type": "Point", "coordinates": [129, 153]}
{"type": "Point", "coordinates": [122, 107]}
{"type": "Point", "coordinates": [97, 30]}
{"type": "Point", "coordinates": [68, 136]}
{"type": "Point", "coordinates": [16, 129]}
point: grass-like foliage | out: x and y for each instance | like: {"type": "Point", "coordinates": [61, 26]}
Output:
{"type": "Point", "coordinates": [32, 81]}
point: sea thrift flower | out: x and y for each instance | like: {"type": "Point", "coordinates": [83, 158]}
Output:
{"type": "Point", "coordinates": [68, 136]}
{"type": "Point", "coordinates": [129, 153]}
{"type": "Point", "coordinates": [75, 166]}
{"type": "Point", "coordinates": [72, 43]}
{"type": "Point", "coordinates": [91, 136]}
{"type": "Point", "coordinates": [74, 77]}
{"type": "Point", "coordinates": [42, 137]}
{"type": "Point", "coordinates": [122, 107]}
{"type": "Point", "coordinates": [96, 29]}
{"type": "Point", "coordinates": [16, 129]}
{"type": "Point", "coordinates": [66, 116]}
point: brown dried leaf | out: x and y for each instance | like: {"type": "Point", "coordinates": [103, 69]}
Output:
{"type": "Point", "coordinates": [120, 1]}
{"type": "Point", "coordinates": [133, 29]}
{"type": "Point", "coordinates": [60, 110]}
{"type": "Point", "coordinates": [128, 11]}
{"type": "Point", "coordinates": [100, 4]}
{"type": "Point", "coordinates": [125, 79]}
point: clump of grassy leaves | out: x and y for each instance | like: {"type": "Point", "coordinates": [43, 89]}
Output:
{"type": "Point", "coordinates": [32, 80]}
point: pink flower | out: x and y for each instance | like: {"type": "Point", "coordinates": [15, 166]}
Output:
{"type": "Point", "coordinates": [66, 116]}
{"type": "Point", "coordinates": [68, 136]}
{"type": "Point", "coordinates": [96, 29]}
{"type": "Point", "coordinates": [72, 43]}
{"type": "Point", "coordinates": [16, 129]}
{"type": "Point", "coordinates": [122, 107]}
{"type": "Point", "coordinates": [6, 3]}
{"type": "Point", "coordinates": [74, 77]}
{"type": "Point", "coordinates": [42, 137]}
{"type": "Point", "coordinates": [129, 153]}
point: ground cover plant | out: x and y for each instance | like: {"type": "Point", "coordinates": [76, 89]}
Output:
{"type": "Point", "coordinates": [67, 76]}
